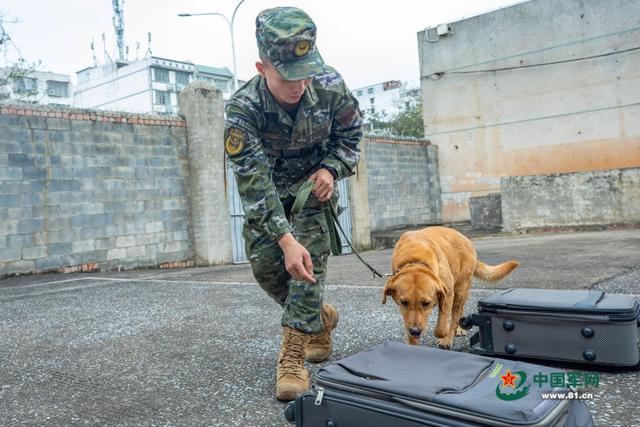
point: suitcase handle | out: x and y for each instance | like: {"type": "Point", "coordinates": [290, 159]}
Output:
{"type": "Point", "coordinates": [483, 342]}
{"type": "Point", "coordinates": [591, 301]}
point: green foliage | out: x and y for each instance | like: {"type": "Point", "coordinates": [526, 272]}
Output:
{"type": "Point", "coordinates": [407, 123]}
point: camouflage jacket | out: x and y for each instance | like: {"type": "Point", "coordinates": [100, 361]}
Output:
{"type": "Point", "coordinates": [271, 154]}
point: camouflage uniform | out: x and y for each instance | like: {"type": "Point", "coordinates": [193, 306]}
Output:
{"type": "Point", "coordinates": [273, 154]}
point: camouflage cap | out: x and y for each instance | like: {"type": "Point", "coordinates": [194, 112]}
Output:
{"type": "Point", "coordinates": [287, 37]}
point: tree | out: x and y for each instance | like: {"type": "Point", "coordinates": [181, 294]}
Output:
{"type": "Point", "coordinates": [407, 123]}
{"type": "Point", "coordinates": [15, 71]}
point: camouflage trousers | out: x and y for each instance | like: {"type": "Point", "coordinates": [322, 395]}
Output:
{"type": "Point", "coordinates": [302, 302]}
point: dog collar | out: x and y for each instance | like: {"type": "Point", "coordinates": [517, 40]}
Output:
{"type": "Point", "coordinates": [407, 264]}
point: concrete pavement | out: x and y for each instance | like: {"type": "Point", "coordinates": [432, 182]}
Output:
{"type": "Point", "coordinates": [198, 347]}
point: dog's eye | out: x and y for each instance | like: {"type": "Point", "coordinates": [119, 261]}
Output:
{"type": "Point", "coordinates": [426, 304]}
{"type": "Point", "coordinates": [405, 303]}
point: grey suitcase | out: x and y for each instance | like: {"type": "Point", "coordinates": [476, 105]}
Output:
{"type": "Point", "coordinates": [395, 384]}
{"type": "Point", "coordinates": [589, 327]}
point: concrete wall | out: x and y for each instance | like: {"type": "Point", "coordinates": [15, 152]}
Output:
{"type": "Point", "coordinates": [91, 190]}
{"type": "Point", "coordinates": [582, 198]}
{"type": "Point", "coordinates": [403, 182]}
{"type": "Point", "coordinates": [575, 115]}
{"type": "Point", "coordinates": [203, 109]}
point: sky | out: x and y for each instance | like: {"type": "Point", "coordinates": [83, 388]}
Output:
{"type": "Point", "coordinates": [368, 42]}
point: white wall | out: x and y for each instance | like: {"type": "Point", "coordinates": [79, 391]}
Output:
{"type": "Point", "coordinates": [119, 89]}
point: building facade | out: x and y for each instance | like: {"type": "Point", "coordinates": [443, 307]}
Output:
{"type": "Point", "coordinates": [385, 100]}
{"type": "Point", "coordinates": [35, 87]}
{"type": "Point", "coordinates": [149, 85]}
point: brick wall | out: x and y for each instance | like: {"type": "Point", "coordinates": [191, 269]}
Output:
{"type": "Point", "coordinates": [403, 182]}
{"type": "Point", "coordinates": [84, 190]}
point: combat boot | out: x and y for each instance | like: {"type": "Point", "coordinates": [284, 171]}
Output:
{"type": "Point", "coordinates": [292, 379]}
{"type": "Point", "coordinates": [319, 348]}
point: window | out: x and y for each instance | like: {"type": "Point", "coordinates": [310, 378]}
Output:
{"type": "Point", "coordinates": [359, 93]}
{"type": "Point", "coordinates": [160, 75]}
{"type": "Point", "coordinates": [221, 85]}
{"type": "Point", "coordinates": [25, 84]}
{"type": "Point", "coordinates": [162, 98]}
{"type": "Point", "coordinates": [182, 78]}
{"type": "Point", "coordinates": [370, 90]}
{"type": "Point", "coordinates": [372, 100]}
{"type": "Point", "coordinates": [57, 89]}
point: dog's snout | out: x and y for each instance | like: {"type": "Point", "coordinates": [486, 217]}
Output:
{"type": "Point", "coordinates": [415, 332]}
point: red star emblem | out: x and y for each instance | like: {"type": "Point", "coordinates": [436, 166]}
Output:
{"type": "Point", "coordinates": [508, 379]}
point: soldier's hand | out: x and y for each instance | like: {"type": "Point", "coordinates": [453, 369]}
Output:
{"type": "Point", "coordinates": [323, 187]}
{"type": "Point", "coordinates": [297, 259]}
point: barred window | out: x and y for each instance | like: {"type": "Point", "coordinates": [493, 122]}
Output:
{"type": "Point", "coordinates": [182, 78]}
{"type": "Point", "coordinates": [25, 84]}
{"type": "Point", "coordinates": [162, 98]}
{"type": "Point", "coordinates": [160, 75]}
{"type": "Point", "coordinates": [221, 85]}
{"type": "Point", "coordinates": [57, 89]}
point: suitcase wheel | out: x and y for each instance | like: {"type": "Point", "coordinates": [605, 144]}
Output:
{"type": "Point", "coordinates": [290, 412]}
{"type": "Point", "coordinates": [465, 322]}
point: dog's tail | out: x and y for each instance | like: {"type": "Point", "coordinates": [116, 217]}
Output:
{"type": "Point", "coordinates": [491, 273]}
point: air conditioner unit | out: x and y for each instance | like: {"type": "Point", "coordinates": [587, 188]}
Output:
{"type": "Point", "coordinates": [51, 92]}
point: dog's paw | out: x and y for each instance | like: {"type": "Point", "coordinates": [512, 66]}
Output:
{"type": "Point", "coordinates": [460, 332]}
{"type": "Point", "coordinates": [445, 343]}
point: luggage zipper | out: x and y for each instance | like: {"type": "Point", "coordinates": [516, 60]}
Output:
{"type": "Point", "coordinates": [353, 389]}
{"type": "Point", "coordinates": [479, 378]}
{"type": "Point", "coordinates": [557, 315]}
{"type": "Point", "coordinates": [319, 396]}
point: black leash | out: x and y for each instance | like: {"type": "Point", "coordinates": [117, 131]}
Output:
{"type": "Point", "coordinates": [331, 216]}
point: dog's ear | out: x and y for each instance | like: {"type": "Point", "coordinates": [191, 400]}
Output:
{"type": "Point", "coordinates": [443, 292]}
{"type": "Point", "coordinates": [389, 289]}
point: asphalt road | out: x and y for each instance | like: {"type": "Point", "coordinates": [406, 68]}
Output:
{"type": "Point", "coordinates": [197, 347]}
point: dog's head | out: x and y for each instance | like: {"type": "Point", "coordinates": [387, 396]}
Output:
{"type": "Point", "coordinates": [416, 290]}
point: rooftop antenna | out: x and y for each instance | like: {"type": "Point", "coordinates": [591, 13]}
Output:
{"type": "Point", "coordinates": [148, 53]}
{"type": "Point", "coordinates": [93, 52]}
{"type": "Point", "coordinates": [118, 25]}
{"type": "Point", "coordinates": [107, 58]}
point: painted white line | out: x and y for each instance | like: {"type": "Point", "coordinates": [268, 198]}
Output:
{"type": "Point", "coordinates": [51, 291]}
{"type": "Point", "coordinates": [48, 283]}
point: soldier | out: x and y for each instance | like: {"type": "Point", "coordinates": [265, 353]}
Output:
{"type": "Point", "coordinates": [296, 121]}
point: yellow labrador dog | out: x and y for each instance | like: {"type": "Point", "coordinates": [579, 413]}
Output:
{"type": "Point", "coordinates": [434, 266]}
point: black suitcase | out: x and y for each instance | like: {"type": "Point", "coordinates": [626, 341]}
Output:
{"type": "Point", "coordinates": [395, 384]}
{"type": "Point", "coordinates": [589, 327]}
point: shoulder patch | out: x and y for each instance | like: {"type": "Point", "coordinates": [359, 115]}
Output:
{"type": "Point", "coordinates": [234, 144]}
